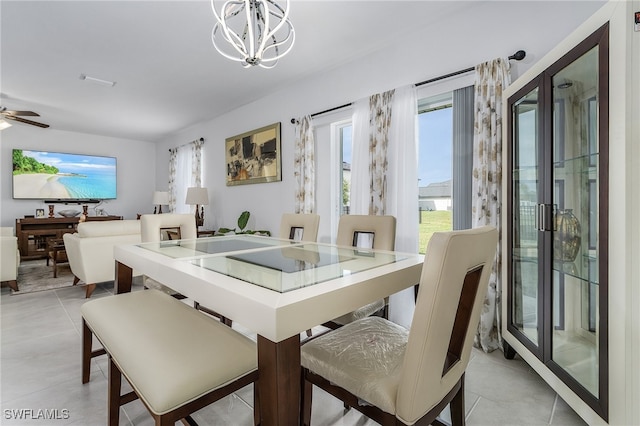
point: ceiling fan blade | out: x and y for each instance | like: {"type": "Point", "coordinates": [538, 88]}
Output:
{"type": "Point", "coordinates": [23, 113]}
{"type": "Point", "coordinates": [24, 120]}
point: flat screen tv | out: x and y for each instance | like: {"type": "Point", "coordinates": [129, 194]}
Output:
{"type": "Point", "coordinates": [56, 176]}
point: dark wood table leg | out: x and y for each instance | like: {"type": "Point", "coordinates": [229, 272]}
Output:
{"type": "Point", "coordinates": [124, 278]}
{"type": "Point", "coordinates": [279, 381]}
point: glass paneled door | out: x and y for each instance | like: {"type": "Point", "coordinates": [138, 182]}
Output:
{"type": "Point", "coordinates": [575, 214]}
{"type": "Point", "coordinates": [557, 219]}
{"type": "Point", "coordinates": [525, 297]}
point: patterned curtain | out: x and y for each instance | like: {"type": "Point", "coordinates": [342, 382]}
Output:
{"type": "Point", "coordinates": [304, 168]}
{"type": "Point", "coordinates": [379, 123]}
{"type": "Point", "coordinates": [196, 161]}
{"type": "Point", "coordinates": [185, 170]}
{"type": "Point", "coordinates": [173, 166]}
{"type": "Point", "coordinates": [491, 78]}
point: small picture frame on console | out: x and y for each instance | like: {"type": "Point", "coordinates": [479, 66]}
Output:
{"type": "Point", "coordinates": [39, 213]}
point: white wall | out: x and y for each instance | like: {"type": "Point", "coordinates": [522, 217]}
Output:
{"type": "Point", "coordinates": [135, 162]}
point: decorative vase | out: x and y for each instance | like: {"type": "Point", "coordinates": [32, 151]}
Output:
{"type": "Point", "coordinates": [566, 237]}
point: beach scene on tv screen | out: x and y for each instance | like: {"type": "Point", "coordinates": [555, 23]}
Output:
{"type": "Point", "coordinates": [53, 175]}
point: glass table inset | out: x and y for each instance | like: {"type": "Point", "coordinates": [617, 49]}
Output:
{"type": "Point", "coordinates": [279, 265]}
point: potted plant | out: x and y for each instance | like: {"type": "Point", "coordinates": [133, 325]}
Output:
{"type": "Point", "coordinates": [243, 219]}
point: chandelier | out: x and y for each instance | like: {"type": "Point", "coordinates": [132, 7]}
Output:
{"type": "Point", "coordinates": [253, 32]}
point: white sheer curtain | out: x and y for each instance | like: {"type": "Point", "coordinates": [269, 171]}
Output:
{"type": "Point", "coordinates": [304, 168]}
{"type": "Point", "coordinates": [384, 173]}
{"type": "Point", "coordinates": [185, 170]}
{"type": "Point", "coordinates": [402, 189]}
{"type": "Point", "coordinates": [491, 78]}
{"type": "Point", "coordinates": [359, 190]}
{"type": "Point", "coordinates": [402, 176]}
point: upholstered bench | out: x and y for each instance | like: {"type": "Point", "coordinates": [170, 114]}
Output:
{"type": "Point", "coordinates": [177, 360]}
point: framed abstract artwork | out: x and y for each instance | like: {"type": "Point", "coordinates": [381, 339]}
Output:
{"type": "Point", "coordinates": [254, 156]}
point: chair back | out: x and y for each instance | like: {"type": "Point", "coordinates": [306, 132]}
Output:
{"type": "Point", "coordinates": [377, 232]}
{"type": "Point", "coordinates": [453, 286]}
{"type": "Point", "coordinates": [151, 226]}
{"type": "Point", "coordinates": [299, 227]}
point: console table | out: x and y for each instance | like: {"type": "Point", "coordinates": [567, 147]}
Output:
{"type": "Point", "coordinates": [34, 234]}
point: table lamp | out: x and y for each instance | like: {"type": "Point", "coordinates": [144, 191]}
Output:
{"type": "Point", "coordinates": [160, 198]}
{"type": "Point", "coordinates": [198, 197]}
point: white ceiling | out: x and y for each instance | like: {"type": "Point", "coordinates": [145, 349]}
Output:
{"type": "Point", "coordinates": [169, 76]}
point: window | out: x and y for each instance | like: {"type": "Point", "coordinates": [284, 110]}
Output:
{"type": "Point", "coordinates": [444, 169]}
{"type": "Point", "coordinates": [435, 139]}
{"type": "Point", "coordinates": [345, 132]}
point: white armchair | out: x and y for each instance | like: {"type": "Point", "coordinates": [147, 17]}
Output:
{"type": "Point", "coordinates": [9, 257]}
{"type": "Point", "coordinates": [90, 250]}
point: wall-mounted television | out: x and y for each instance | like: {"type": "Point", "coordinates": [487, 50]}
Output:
{"type": "Point", "coordinates": [62, 177]}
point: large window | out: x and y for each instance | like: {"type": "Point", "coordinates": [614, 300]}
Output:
{"type": "Point", "coordinates": [441, 166]}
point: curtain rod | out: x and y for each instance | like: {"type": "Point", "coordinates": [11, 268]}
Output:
{"type": "Point", "coordinates": [518, 56]}
{"type": "Point", "coordinates": [184, 144]}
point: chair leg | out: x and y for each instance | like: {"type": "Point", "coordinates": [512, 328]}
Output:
{"type": "Point", "coordinates": [89, 290]}
{"type": "Point", "coordinates": [13, 285]}
{"type": "Point", "coordinates": [457, 406]}
{"type": "Point", "coordinates": [113, 405]}
{"type": "Point", "coordinates": [76, 280]}
{"type": "Point", "coordinates": [87, 341]}
{"type": "Point", "coordinates": [306, 398]}
{"type": "Point", "coordinates": [257, 418]}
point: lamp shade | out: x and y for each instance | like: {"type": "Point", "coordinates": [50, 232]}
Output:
{"type": "Point", "coordinates": [160, 197]}
{"type": "Point", "coordinates": [198, 196]}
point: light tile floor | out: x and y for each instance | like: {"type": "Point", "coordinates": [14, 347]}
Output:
{"type": "Point", "coordinates": [40, 370]}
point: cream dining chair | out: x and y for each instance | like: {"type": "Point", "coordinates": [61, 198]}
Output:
{"type": "Point", "coordinates": [299, 226]}
{"type": "Point", "coordinates": [365, 231]}
{"type": "Point", "coordinates": [397, 376]}
{"type": "Point", "coordinates": [153, 227]}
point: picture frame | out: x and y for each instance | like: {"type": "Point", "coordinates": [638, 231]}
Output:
{"type": "Point", "coordinates": [39, 213]}
{"type": "Point", "coordinates": [254, 156]}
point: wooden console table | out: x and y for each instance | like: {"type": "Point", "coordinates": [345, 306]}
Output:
{"type": "Point", "coordinates": [34, 235]}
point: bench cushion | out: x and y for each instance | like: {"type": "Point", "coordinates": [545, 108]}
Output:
{"type": "Point", "coordinates": [170, 353]}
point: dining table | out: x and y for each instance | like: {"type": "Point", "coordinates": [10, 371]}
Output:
{"type": "Point", "coordinates": [276, 288]}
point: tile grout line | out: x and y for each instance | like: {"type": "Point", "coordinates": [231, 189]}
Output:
{"type": "Point", "coordinates": [475, 404]}
{"type": "Point", "coordinates": [553, 409]}
{"type": "Point", "coordinates": [66, 312]}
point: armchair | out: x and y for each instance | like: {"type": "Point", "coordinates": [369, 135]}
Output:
{"type": "Point", "coordinates": [10, 257]}
{"type": "Point", "coordinates": [90, 249]}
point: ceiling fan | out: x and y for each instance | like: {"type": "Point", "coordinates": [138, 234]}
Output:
{"type": "Point", "coordinates": [16, 116]}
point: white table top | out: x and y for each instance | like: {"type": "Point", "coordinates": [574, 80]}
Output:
{"type": "Point", "coordinates": [277, 288]}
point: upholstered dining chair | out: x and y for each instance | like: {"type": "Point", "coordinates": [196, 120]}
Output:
{"type": "Point", "coordinates": [299, 226]}
{"type": "Point", "coordinates": [365, 231]}
{"type": "Point", "coordinates": [152, 227]}
{"type": "Point", "coordinates": [404, 377]}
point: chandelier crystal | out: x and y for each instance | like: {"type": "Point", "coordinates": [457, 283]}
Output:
{"type": "Point", "coordinates": [253, 32]}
